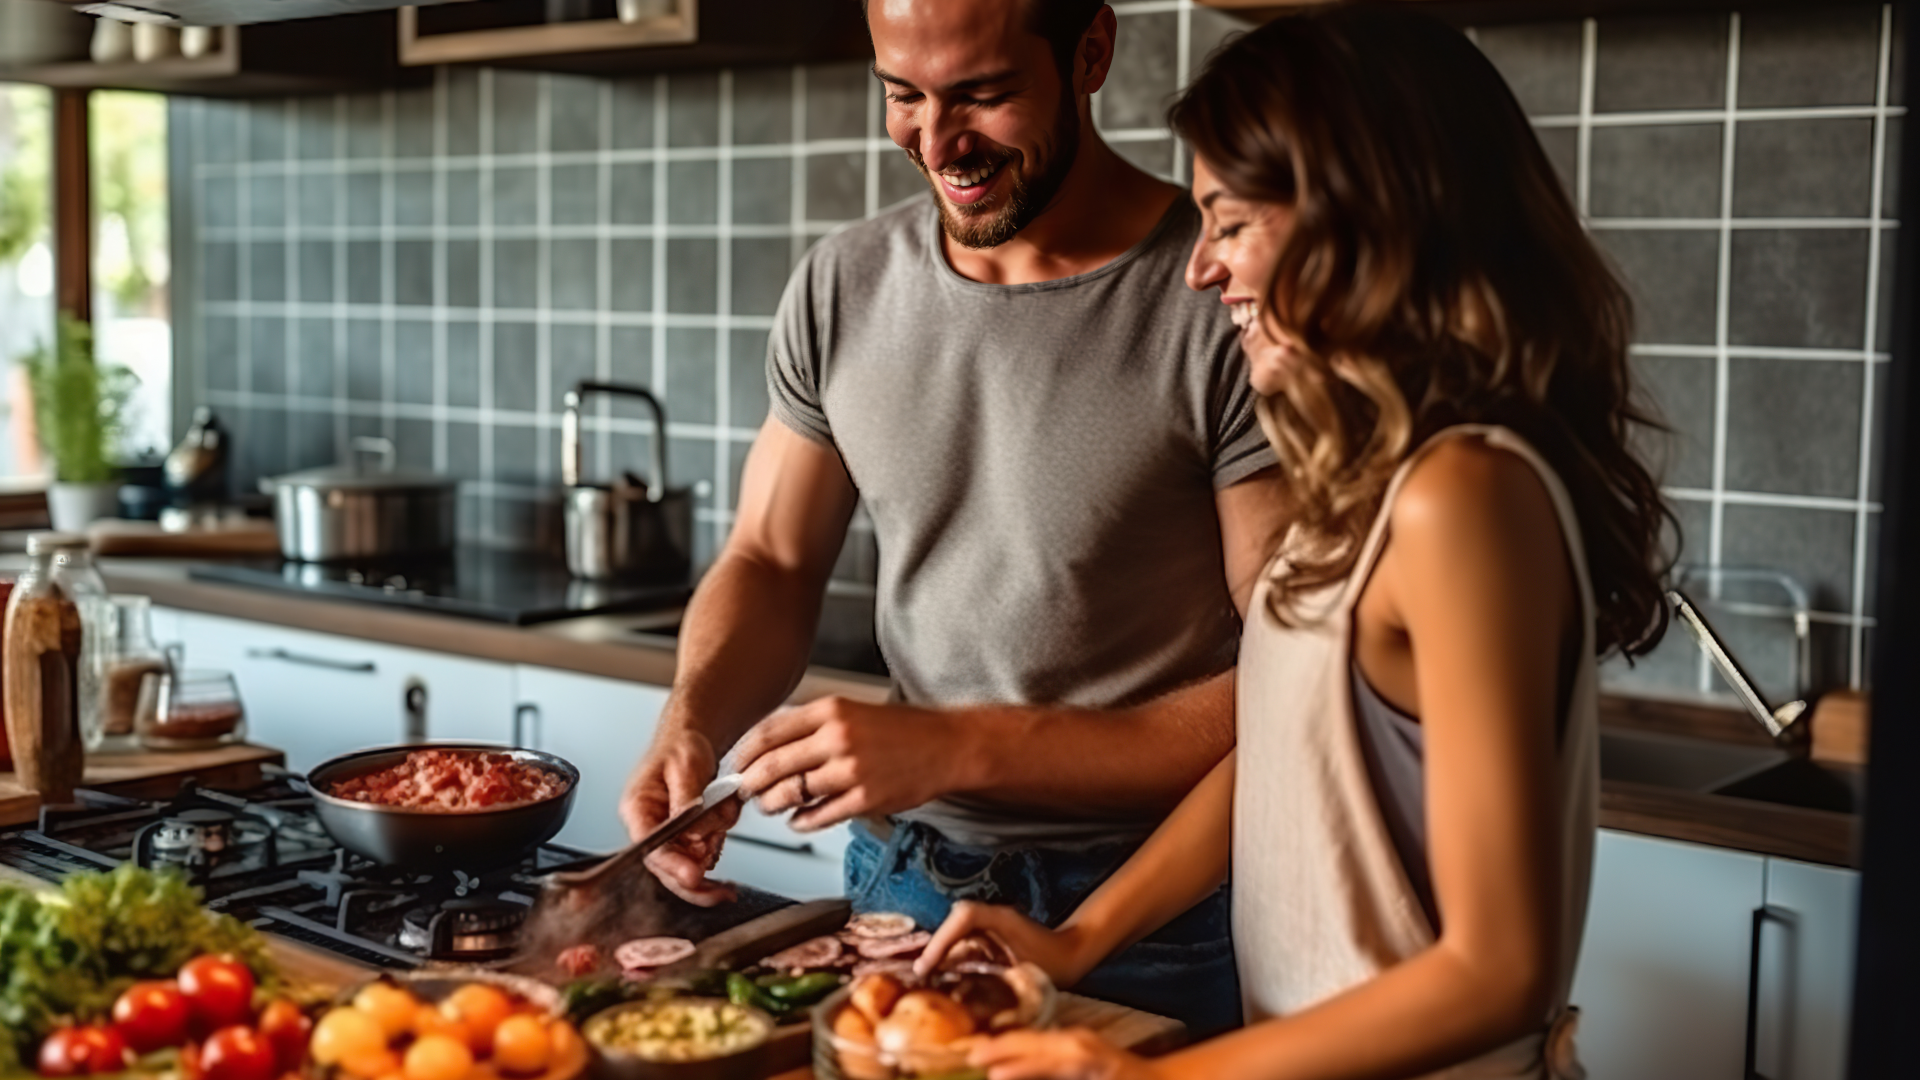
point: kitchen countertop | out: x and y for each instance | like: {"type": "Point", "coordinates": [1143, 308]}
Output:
{"type": "Point", "coordinates": [617, 647]}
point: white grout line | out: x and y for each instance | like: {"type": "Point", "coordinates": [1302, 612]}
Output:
{"type": "Point", "coordinates": [341, 356]}
{"type": "Point", "coordinates": [389, 280]}
{"type": "Point", "coordinates": [1583, 156]}
{"type": "Point", "coordinates": [484, 467]}
{"type": "Point", "coordinates": [439, 391]}
{"type": "Point", "coordinates": [1182, 74]}
{"type": "Point", "coordinates": [1662, 118]}
{"type": "Point", "coordinates": [1856, 641]}
{"type": "Point", "coordinates": [658, 249]}
{"type": "Point", "coordinates": [723, 297]}
{"type": "Point", "coordinates": [426, 313]}
{"type": "Point", "coordinates": [473, 415]}
{"type": "Point", "coordinates": [543, 265]}
{"type": "Point", "coordinates": [1768, 498]}
{"type": "Point", "coordinates": [603, 283]}
{"type": "Point", "coordinates": [1723, 288]}
{"type": "Point", "coordinates": [1761, 352]}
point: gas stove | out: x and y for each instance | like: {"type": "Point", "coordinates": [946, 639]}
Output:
{"type": "Point", "coordinates": [262, 857]}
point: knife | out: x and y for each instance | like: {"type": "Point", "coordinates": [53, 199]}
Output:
{"type": "Point", "coordinates": [720, 790]}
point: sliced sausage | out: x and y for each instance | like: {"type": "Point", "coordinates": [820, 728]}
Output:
{"type": "Point", "coordinates": [820, 952]}
{"type": "Point", "coordinates": [870, 925]}
{"type": "Point", "coordinates": [652, 952]}
{"type": "Point", "coordinates": [894, 947]}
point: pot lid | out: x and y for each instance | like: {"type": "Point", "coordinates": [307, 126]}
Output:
{"type": "Point", "coordinates": [362, 475]}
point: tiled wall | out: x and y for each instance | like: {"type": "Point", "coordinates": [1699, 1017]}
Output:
{"type": "Point", "coordinates": [438, 265]}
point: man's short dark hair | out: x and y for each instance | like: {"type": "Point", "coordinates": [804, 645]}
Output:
{"type": "Point", "coordinates": [1062, 22]}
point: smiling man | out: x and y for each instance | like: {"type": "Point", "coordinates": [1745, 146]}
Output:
{"type": "Point", "coordinates": [1057, 446]}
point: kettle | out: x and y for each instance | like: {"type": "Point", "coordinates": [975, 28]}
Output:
{"type": "Point", "coordinates": [624, 530]}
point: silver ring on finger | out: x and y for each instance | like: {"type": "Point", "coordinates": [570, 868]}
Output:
{"type": "Point", "coordinates": [805, 795]}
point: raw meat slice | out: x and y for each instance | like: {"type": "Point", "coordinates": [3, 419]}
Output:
{"type": "Point", "coordinates": [820, 952]}
{"type": "Point", "coordinates": [652, 952]}
{"type": "Point", "coordinates": [578, 961]}
{"type": "Point", "coordinates": [889, 948]}
{"type": "Point", "coordinates": [899, 969]}
{"type": "Point", "coordinates": [880, 924]}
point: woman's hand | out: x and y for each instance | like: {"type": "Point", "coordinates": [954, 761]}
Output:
{"type": "Point", "coordinates": [1059, 953]}
{"type": "Point", "coordinates": [1077, 1054]}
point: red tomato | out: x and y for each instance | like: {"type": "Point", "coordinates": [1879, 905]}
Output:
{"type": "Point", "coordinates": [287, 1030]}
{"type": "Point", "coordinates": [78, 1051]}
{"type": "Point", "coordinates": [237, 1053]}
{"type": "Point", "coordinates": [219, 991]}
{"type": "Point", "coordinates": [151, 1015]}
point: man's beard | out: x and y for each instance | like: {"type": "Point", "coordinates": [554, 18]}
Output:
{"type": "Point", "coordinates": [994, 221]}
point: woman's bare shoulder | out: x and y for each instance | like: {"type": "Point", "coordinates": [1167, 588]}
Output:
{"type": "Point", "coordinates": [1468, 496]}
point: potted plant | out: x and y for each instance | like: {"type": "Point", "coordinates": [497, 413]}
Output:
{"type": "Point", "coordinates": [78, 407]}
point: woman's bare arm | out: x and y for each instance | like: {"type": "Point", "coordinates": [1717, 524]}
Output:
{"type": "Point", "coordinates": [1476, 577]}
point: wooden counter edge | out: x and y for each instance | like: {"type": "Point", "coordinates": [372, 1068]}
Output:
{"type": "Point", "coordinates": [1788, 832]}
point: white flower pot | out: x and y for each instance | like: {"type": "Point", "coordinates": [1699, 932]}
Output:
{"type": "Point", "coordinates": [75, 506]}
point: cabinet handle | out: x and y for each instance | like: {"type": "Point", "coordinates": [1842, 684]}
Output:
{"type": "Point", "coordinates": [1762, 915]}
{"type": "Point", "coordinates": [791, 849]}
{"type": "Point", "coordinates": [414, 700]}
{"type": "Point", "coordinates": [363, 667]}
{"type": "Point", "coordinates": [523, 713]}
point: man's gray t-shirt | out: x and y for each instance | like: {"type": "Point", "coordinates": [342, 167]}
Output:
{"type": "Point", "coordinates": [1040, 463]}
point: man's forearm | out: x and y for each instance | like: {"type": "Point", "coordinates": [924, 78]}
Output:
{"type": "Point", "coordinates": [743, 647]}
{"type": "Point", "coordinates": [1105, 760]}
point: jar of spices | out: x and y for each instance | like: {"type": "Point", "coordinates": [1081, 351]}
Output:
{"type": "Point", "coordinates": [6, 751]}
{"type": "Point", "coordinates": [44, 667]}
{"type": "Point", "coordinates": [129, 656]}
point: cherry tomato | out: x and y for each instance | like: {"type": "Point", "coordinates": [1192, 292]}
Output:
{"type": "Point", "coordinates": [237, 1053]}
{"type": "Point", "coordinates": [151, 1015]}
{"type": "Point", "coordinates": [286, 1029]}
{"type": "Point", "coordinates": [77, 1051]}
{"type": "Point", "coordinates": [219, 991]}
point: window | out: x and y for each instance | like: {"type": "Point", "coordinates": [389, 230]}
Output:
{"type": "Point", "coordinates": [130, 269]}
{"type": "Point", "coordinates": [26, 260]}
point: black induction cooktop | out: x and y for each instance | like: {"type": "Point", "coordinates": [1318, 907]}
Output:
{"type": "Point", "coordinates": [511, 587]}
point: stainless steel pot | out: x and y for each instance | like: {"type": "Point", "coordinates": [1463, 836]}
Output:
{"type": "Point", "coordinates": [624, 530]}
{"type": "Point", "coordinates": [352, 512]}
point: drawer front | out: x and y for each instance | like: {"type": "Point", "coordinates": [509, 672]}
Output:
{"type": "Point", "coordinates": [806, 870]}
{"type": "Point", "coordinates": [317, 696]}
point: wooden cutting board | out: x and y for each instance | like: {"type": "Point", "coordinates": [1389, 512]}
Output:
{"type": "Point", "coordinates": [113, 536]}
{"type": "Point", "coordinates": [149, 774]}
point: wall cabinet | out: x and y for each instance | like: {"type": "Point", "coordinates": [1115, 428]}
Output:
{"type": "Point", "coordinates": [1677, 934]}
{"type": "Point", "coordinates": [316, 696]}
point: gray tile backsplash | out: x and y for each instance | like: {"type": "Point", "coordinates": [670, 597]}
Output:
{"type": "Point", "coordinates": [439, 265]}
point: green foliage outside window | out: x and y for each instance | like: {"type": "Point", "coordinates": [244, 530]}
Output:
{"type": "Point", "coordinates": [79, 404]}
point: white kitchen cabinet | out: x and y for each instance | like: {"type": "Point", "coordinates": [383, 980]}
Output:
{"type": "Point", "coordinates": [1805, 971]}
{"type": "Point", "coordinates": [603, 726]}
{"type": "Point", "coordinates": [1662, 981]}
{"type": "Point", "coordinates": [316, 696]}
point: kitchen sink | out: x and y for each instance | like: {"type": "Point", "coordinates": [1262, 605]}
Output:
{"type": "Point", "coordinates": [1803, 783]}
{"type": "Point", "coordinates": [1673, 761]}
{"type": "Point", "coordinates": [1762, 773]}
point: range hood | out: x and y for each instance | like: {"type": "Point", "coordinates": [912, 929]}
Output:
{"type": "Point", "coordinates": [230, 12]}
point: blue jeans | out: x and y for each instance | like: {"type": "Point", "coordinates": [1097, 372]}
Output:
{"type": "Point", "coordinates": [1183, 970]}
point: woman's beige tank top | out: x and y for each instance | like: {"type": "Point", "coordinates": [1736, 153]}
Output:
{"type": "Point", "coordinates": [1320, 899]}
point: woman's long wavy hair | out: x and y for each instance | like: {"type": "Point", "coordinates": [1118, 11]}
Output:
{"type": "Point", "coordinates": [1436, 275]}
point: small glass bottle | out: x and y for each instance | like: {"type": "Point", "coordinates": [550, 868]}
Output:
{"type": "Point", "coordinates": [129, 656]}
{"type": "Point", "coordinates": [43, 670]}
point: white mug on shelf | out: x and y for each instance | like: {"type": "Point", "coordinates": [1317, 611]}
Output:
{"type": "Point", "coordinates": [112, 41]}
{"type": "Point", "coordinates": [199, 41]}
{"type": "Point", "coordinates": [154, 42]}
{"type": "Point", "coordinates": [633, 11]}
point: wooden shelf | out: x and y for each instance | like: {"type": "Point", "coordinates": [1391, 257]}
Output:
{"type": "Point", "coordinates": [1486, 12]}
{"type": "Point", "coordinates": [306, 56]}
{"type": "Point", "coordinates": [690, 34]}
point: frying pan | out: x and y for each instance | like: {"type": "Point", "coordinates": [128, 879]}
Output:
{"type": "Point", "coordinates": [438, 839]}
